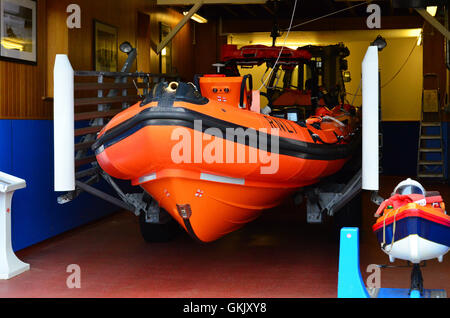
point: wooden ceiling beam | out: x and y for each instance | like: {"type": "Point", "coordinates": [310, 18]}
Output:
{"type": "Point", "coordinates": [434, 22]}
{"type": "Point", "coordinates": [352, 10]}
{"type": "Point", "coordinates": [391, 8]}
{"type": "Point", "coordinates": [231, 11]}
{"type": "Point", "coordinates": [266, 7]}
{"type": "Point", "coordinates": [330, 5]}
{"type": "Point", "coordinates": [326, 24]}
{"type": "Point", "coordinates": [191, 2]}
{"type": "Point", "coordinates": [178, 27]}
{"type": "Point", "coordinates": [248, 10]}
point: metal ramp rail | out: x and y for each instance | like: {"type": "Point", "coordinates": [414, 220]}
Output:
{"type": "Point", "coordinates": [91, 99]}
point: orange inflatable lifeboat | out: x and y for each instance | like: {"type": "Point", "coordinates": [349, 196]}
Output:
{"type": "Point", "coordinates": [213, 164]}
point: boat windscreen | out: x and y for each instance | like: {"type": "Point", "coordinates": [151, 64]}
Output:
{"type": "Point", "coordinates": [409, 189]}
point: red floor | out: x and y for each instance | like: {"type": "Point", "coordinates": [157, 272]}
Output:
{"type": "Point", "coordinates": [276, 256]}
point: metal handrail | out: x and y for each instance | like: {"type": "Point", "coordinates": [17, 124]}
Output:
{"type": "Point", "coordinates": [123, 74]}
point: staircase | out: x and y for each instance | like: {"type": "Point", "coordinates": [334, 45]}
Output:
{"type": "Point", "coordinates": [430, 158]}
{"type": "Point", "coordinates": [430, 163]}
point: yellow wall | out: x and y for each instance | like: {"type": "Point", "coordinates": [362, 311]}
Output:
{"type": "Point", "coordinates": [401, 99]}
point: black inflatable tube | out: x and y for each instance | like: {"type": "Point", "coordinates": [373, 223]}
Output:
{"type": "Point", "coordinates": [178, 116]}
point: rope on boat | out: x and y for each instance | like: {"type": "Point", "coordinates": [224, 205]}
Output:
{"type": "Point", "coordinates": [356, 93]}
{"type": "Point", "coordinates": [340, 123]}
{"type": "Point", "coordinates": [384, 245]}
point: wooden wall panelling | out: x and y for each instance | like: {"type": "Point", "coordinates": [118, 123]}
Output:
{"type": "Point", "coordinates": [434, 56]}
{"type": "Point", "coordinates": [182, 43]}
{"type": "Point", "coordinates": [22, 85]}
{"type": "Point", "coordinates": [206, 46]}
{"type": "Point", "coordinates": [143, 42]}
{"type": "Point", "coordinates": [57, 38]}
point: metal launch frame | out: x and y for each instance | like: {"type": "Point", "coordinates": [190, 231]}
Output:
{"type": "Point", "coordinates": [115, 91]}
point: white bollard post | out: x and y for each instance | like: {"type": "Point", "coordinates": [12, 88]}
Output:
{"type": "Point", "coordinates": [64, 134]}
{"type": "Point", "coordinates": [10, 265]}
{"type": "Point", "coordinates": [370, 117]}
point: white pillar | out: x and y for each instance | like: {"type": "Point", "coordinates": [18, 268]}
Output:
{"type": "Point", "coordinates": [63, 122]}
{"type": "Point", "coordinates": [370, 120]}
{"type": "Point", "coordinates": [10, 265]}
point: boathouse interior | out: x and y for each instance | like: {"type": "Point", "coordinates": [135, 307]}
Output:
{"type": "Point", "coordinates": [278, 255]}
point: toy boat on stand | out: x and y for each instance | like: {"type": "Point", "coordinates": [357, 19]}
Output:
{"type": "Point", "coordinates": [211, 162]}
{"type": "Point", "coordinates": [413, 225]}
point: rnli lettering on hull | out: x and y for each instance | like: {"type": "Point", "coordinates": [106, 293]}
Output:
{"type": "Point", "coordinates": [277, 123]}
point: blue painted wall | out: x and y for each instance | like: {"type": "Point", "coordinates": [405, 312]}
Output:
{"type": "Point", "coordinates": [400, 143]}
{"type": "Point", "coordinates": [26, 148]}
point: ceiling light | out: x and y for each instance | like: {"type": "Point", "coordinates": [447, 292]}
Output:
{"type": "Point", "coordinates": [380, 42]}
{"type": "Point", "coordinates": [197, 18]}
{"type": "Point", "coordinates": [126, 47]}
{"type": "Point", "coordinates": [419, 39]}
{"type": "Point", "coordinates": [432, 10]}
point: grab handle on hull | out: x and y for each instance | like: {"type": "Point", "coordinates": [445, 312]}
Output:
{"type": "Point", "coordinates": [243, 86]}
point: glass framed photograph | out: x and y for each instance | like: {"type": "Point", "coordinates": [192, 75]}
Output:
{"type": "Point", "coordinates": [18, 31]}
{"type": "Point", "coordinates": [105, 47]}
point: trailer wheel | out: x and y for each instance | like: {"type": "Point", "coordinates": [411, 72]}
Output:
{"type": "Point", "coordinates": [350, 214]}
{"type": "Point", "coordinates": [158, 233]}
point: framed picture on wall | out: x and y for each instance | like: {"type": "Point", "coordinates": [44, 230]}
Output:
{"type": "Point", "coordinates": [165, 57]}
{"type": "Point", "coordinates": [105, 47]}
{"type": "Point", "coordinates": [18, 31]}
